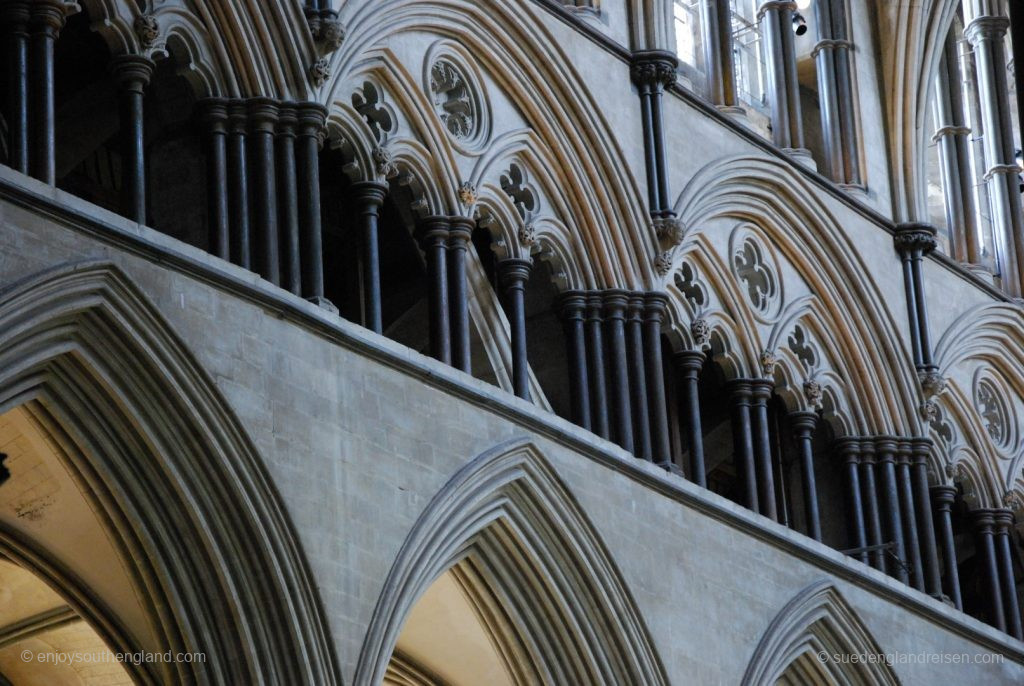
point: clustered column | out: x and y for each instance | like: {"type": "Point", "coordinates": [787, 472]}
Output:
{"type": "Point", "coordinates": [15, 16]}
{"type": "Point", "coordinates": [784, 88]}
{"type": "Point", "coordinates": [803, 424]}
{"type": "Point", "coordinates": [688, 364]}
{"type": "Point", "coordinates": [513, 274]}
{"type": "Point", "coordinates": [458, 243]}
{"type": "Point", "coordinates": [943, 497]}
{"type": "Point", "coordinates": [652, 71]}
{"type": "Point", "coordinates": [368, 197]}
{"type": "Point", "coordinates": [890, 505]}
{"type": "Point", "coordinates": [716, 32]}
{"type": "Point", "coordinates": [952, 135]}
{"type": "Point", "coordinates": [835, 92]}
{"type": "Point", "coordinates": [1003, 521]}
{"type": "Point", "coordinates": [31, 29]}
{"type": "Point", "coordinates": [616, 370]}
{"type": "Point", "coordinates": [913, 242]}
{"type": "Point", "coordinates": [263, 189]}
{"type": "Point", "coordinates": [987, 36]}
{"type": "Point", "coordinates": [433, 237]}
{"type": "Point", "coordinates": [573, 311]}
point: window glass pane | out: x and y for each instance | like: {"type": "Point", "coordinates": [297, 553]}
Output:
{"type": "Point", "coordinates": [748, 55]}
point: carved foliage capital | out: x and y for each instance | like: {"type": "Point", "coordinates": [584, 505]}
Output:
{"type": "Point", "coordinates": [915, 236]}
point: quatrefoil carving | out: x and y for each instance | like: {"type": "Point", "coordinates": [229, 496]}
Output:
{"type": "Point", "coordinates": [369, 103]}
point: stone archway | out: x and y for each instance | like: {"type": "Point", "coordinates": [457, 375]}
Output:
{"type": "Point", "coordinates": [542, 585]}
{"type": "Point", "coordinates": [179, 491]}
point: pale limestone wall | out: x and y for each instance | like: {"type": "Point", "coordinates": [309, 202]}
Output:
{"type": "Point", "coordinates": [359, 433]}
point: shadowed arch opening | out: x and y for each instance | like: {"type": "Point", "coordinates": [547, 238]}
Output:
{"type": "Point", "coordinates": [179, 488]}
{"type": "Point", "coordinates": [546, 591]}
{"type": "Point", "coordinates": [818, 620]}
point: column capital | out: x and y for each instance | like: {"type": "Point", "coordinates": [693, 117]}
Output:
{"type": "Point", "coordinates": [849, 449]}
{"type": "Point", "coordinates": [461, 231]}
{"type": "Point", "coordinates": [312, 118]}
{"type": "Point", "coordinates": [911, 236]}
{"type": "Point", "coordinates": [689, 362]}
{"type": "Point", "coordinates": [132, 72]}
{"type": "Point", "coordinates": [983, 520]}
{"type": "Point", "coordinates": [15, 14]}
{"type": "Point", "coordinates": [373, 193]}
{"type": "Point", "coordinates": [48, 15]}
{"type": "Point", "coordinates": [904, 450]}
{"type": "Point", "coordinates": [238, 116]}
{"type": "Point", "coordinates": [656, 306]}
{"type": "Point", "coordinates": [287, 119]}
{"type": "Point", "coordinates": [986, 28]}
{"type": "Point", "coordinates": [761, 389]}
{"type": "Point", "coordinates": [615, 302]}
{"type": "Point", "coordinates": [944, 495]}
{"type": "Point", "coordinates": [635, 307]}
{"type": "Point", "coordinates": [571, 305]}
{"type": "Point", "coordinates": [214, 112]}
{"type": "Point", "coordinates": [740, 390]}
{"type": "Point", "coordinates": [653, 68]}
{"type": "Point", "coordinates": [775, 6]}
{"type": "Point", "coordinates": [263, 113]}
{"type": "Point", "coordinates": [513, 271]}
{"type": "Point", "coordinates": [432, 230]}
{"type": "Point", "coordinates": [831, 44]}
{"type": "Point", "coordinates": [921, 448]}
{"type": "Point", "coordinates": [595, 306]}
{"type": "Point", "coordinates": [1003, 519]}
{"type": "Point", "coordinates": [803, 422]}
{"type": "Point", "coordinates": [886, 447]}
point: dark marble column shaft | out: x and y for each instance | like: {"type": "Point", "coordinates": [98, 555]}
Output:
{"type": "Point", "coordinates": [262, 123]}
{"type": "Point", "coordinates": [743, 441]}
{"type": "Point", "coordinates": [803, 424]}
{"type": "Point", "coordinates": [433, 236]}
{"type": "Point", "coordinates": [573, 311]}
{"type": "Point", "coordinates": [908, 509]}
{"type": "Point", "coordinates": [849, 452]}
{"type": "Point", "coordinates": [925, 523]}
{"type": "Point", "coordinates": [215, 119]}
{"type": "Point", "coordinates": [132, 74]}
{"type": "Point", "coordinates": [594, 325]}
{"type": "Point", "coordinates": [637, 375]}
{"type": "Point", "coordinates": [688, 364]}
{"type": "Point", "coordinates": [872, 508]}
{"type": "Point", "coordinates": [288, 200]}
{"type": "Point", "coordinates": [513, 274]}
{"type": "Point", "coordinates": [655, 310]}
{"type": "Point", "coordinates": [311, 119]}
{"type": "Point", "coordinates": [984, 523]}
{"type": "Point", "coordinates": [45, 22]}
{"type": "Point", "coordinates": [368, 197]}
{"type": "Point", "coordinates": [458, 291]}
{"type": "Point", "coordinates": [14, 14]}
{"type": "Point", "coordinates": [1004, 556]}
{"type": "Point", "coordinates": [761, 393]}
{"type": "Point", "coordinates": [238, 190]}
{"type": "Point", "coordinates": [886, 446]}
{"type": "Point", "coordinates": [615, 303]}
{"type": "Point", "coordinates": [943, 498]}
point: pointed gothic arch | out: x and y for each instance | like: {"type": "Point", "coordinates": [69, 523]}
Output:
{"type": "Point", "coordinates": [818, 620]}
{"type": "Point", "coordinates": [181, 489]}
{"type": "Point", "coordinates": [519, 542]}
